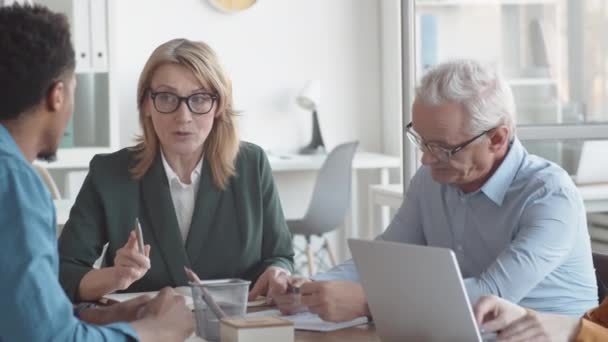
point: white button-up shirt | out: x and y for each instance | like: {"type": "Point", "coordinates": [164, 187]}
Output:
{"type": "Point", "coordinates": [183, 195]}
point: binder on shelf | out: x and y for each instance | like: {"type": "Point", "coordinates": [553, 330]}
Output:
{"type": "Point", "coordinates": [84, 110]}
{"type": "Point", "coordinates": [81, 34]}
{"type": "Point", "coordinates": [79, 18]}
{"type": "Point", "coordinates": [77, 12]}
{"type": "Point", "coordinates": [99, 38]}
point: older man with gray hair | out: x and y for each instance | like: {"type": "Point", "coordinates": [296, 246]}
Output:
{"type": "Point", "coordinates": [515, 221]}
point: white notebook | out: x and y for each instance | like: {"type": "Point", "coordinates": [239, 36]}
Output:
{"type": "Point", "coordinates": [122, 297]}
{"type": "Point", "coordinates": [310, 321]}
{"type": "Point", "coordinates": [183, 290]}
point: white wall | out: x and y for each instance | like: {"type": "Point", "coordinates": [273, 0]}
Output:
{"type": "Point", "coordinates": [270, 51]}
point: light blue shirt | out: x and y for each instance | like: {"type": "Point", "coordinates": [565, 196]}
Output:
{"type": "Point", "coordinates": [33, 306]}
{"type": "Point", "coordinates": [523, 236]}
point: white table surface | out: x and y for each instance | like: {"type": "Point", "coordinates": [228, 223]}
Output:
{"type": "Point", "coordinates": [299, 162]}
{"type": "Point", "coordinates": [595, 198]}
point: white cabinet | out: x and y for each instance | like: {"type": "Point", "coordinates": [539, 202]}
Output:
{"type": "Point", "coordinates": [94, 127]}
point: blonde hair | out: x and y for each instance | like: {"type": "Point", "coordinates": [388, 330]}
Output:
{"type": "Point", "coordinates": [222, 145]}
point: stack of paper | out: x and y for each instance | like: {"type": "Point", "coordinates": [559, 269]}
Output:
{"type": "Point", "coordinates": [310, 321]}
{"type": "Point", "coordinates": [122, 297]}
{"type": "Point", "coordinates": [182, 290]}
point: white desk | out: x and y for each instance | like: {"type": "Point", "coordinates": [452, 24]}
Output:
{"type": "Point", "coordinates": [385, 196]}
{"type": "Point", "coordinates": [362, 161]}
{"type": "Point", "coordinates": [595, 198]}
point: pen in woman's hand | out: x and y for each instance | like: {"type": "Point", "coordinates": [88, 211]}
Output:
{"type": "Point", "coordinates": [192, 276]}
{"type": "Point", "coordinates": [293, 289]}
{"type": "Point", "coordinates": [205, 294]}
{"type": "Point", "coordinates": [140, 237]}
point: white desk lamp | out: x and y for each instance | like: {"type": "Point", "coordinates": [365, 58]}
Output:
{"type": "Point", "coordinates": [309, 99]}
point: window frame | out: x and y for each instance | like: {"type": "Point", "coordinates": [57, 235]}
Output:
{"type": "Point", "coordinates": [545, 132]}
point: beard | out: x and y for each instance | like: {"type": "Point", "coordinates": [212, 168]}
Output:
{"type": "Point", "coordinates": [48, 152]}
{"type": "Point", "coordinates": [47, 156]}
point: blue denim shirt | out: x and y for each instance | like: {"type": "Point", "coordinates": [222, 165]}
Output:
{"type": "Point", "coordinates": [33, 306]}
{"type": "Point", "coordinates": [523, 236]}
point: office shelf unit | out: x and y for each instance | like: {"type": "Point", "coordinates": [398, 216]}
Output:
{"type": "Point", "coordinates": [94, 126]}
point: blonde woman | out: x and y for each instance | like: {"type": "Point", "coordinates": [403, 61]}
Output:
{"type": "Point", "coordinates": [206, 201]}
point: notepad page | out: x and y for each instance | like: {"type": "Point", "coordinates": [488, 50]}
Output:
{"type": "Point", "coordinates": [310, 321]}
{"type": "Point", "coordinates": [182, 290]}
{"type": "Point", "coordinates": [122, 297]}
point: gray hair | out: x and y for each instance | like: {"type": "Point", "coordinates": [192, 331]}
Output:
{"type": "Point", "coordinates": [483, 92]}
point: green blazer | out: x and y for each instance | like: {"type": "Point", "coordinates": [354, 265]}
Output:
{"type": "Point", "coordinates": [235, 233]}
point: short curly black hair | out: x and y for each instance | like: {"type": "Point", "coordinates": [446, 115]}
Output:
{"type": "Point", "coordinates": [35, 52]}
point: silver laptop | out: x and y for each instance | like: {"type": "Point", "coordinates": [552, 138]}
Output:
{"type": "Point", "coordinates": [415, 293]}
{"type": "Point", "coordinates": [592, 167]}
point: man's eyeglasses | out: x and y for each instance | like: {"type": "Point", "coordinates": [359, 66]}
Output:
{"type": "Point", "coordinates": [441, 153]}
{"type": "Point", "coordinates": [199, 103]}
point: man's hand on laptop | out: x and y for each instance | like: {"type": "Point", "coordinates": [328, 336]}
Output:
{"type": "Point", "coordinates": [335, 301]}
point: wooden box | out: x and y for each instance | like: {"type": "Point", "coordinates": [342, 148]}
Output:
{"type": "Point", "coordinates": [256, 329]}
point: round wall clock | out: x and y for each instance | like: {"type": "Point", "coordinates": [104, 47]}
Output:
{"type": "Point", "coordinates": [232, 6]}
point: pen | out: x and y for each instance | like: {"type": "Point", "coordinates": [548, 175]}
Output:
{"type": "Point", "coordinates": [219, 313]}
{"type": "Point", "coordinates": [293, 289]}
{"type": "Point", "coordinates": [140, 236]}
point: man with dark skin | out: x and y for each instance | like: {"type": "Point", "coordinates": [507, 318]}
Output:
{"type": "Point", "coordinates": [37, 85]}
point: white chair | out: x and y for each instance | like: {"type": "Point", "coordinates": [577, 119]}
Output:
{"type": "Point", "coordinates": [50, 184]}
{"type": "Point", "coordinates": [329, 204]}
{"type": "Point", "coordinates": [48, 180]}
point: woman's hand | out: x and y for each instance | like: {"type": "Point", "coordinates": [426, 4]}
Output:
{"type": "Point", "coordinates": [129, 264]}
{"type": "Point", "coordinates": [289, 302]}
{"type": "Point", "coordinates": [273, 280]}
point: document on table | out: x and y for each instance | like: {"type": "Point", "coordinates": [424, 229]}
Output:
{"type": "Point", "coordinates": [122, 297]}
{"type": "Point", "coordinates": [182, 290]}
{"type": "Point", "coordinates": [310, 321]}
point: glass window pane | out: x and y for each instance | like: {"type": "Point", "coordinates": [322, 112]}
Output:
{"type": "Point", "coordinates": [580, 158]}
{"type": "Point", "coordinates": [553, 52]}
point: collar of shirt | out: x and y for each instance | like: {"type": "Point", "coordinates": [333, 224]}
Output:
{"type": "Point", "coordinates": [496, 187]}
{"type": "Point", "coordinates": [9, 145]}
{"type": "Point", "coordinates": [173, 178]}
